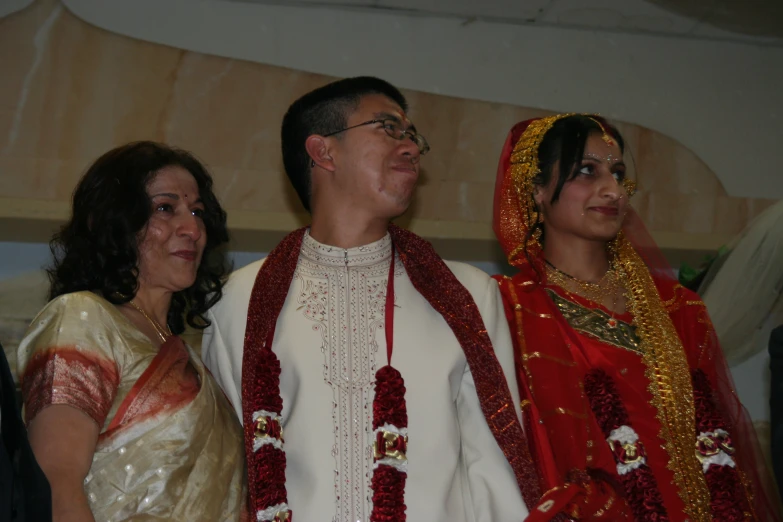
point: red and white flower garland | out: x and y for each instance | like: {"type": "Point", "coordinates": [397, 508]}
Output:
{"type": "Point", "coordinates": [390, 425]}
{"type": "Point", "coordinates": [269, 472]}
{"type": "Point", "coordinates": [261, 383]}
{"type": "Point", "coordinates": [390, 422]}
{"type": "Point", "coordinates": [641, 489]}
{"type": "Point", "coordinates": [714, 449]}
{"type": "Point", "coordinates": [627, 449]}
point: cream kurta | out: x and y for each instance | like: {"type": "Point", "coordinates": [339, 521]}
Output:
{"type": "Point", "coordinates": [330, 341]}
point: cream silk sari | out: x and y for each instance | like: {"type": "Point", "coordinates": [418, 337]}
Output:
{"type": "Point", "coordinates": [170, 446]}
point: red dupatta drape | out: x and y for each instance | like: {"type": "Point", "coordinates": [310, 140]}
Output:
{"type": "Point", "coordinates": [551, 366]}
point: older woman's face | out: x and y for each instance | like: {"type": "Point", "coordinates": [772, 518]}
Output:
{"type": "Point", "coordinates": [172, 243]}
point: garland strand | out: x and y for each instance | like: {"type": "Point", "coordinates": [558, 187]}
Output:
{"type": "Point", "coordinates": [714, 450]}
{"type": "Point", "coordinates": [269, 456]}
{"type": "Point", "coordinates": [390, 422]}
{"type": "Point", "coordinates": [641, 489]}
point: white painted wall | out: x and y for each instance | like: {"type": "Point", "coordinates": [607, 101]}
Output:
{"type": "Point", "coordinates": [11, 6]}
{"type": "Point", "coordinates": [721, 99]}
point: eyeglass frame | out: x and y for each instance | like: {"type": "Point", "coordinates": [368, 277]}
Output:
{"type": "Point", "coordinates": [415, 137]}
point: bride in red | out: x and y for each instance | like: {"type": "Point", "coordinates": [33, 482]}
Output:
{"type": "Point", "coordinates": [627, 399]}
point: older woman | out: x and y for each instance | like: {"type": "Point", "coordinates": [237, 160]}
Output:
{"type": "Point", "coordinates": [123, 417]}
{"type": "Point", "coordinates": [627, 398]}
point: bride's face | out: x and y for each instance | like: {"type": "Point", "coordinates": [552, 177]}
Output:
{"type": "Point", "coordinates": [592, 205]}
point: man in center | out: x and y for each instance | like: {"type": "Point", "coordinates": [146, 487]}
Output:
{"type": "Point", "coordinates": [374, 380]}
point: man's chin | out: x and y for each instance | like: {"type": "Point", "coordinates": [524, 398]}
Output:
{"type": "Point", "coordinates": [393, 208]}
{"type": "Point", "coordinates": [402, 208]}
{"type": "Point", "coordinates": [397, 215]}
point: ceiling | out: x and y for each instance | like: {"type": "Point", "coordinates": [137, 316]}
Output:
{"type": "Point", "coordinates": [757, 21]}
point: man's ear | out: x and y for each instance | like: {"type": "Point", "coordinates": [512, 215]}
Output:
{"type": "Point", "coordinates": [317, 148]}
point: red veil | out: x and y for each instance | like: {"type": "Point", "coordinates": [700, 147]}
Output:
{"type": "Point", "coordinates": [681, 349]}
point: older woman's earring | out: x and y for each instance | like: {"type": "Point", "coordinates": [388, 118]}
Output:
{"type": "Point", "coordinates": [312, 163]}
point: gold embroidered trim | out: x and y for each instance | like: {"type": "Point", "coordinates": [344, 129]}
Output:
{"type": "Point", "coordinates": [520, 333]}
{"type": "Point", "coordinates": [538, 355]}
{"type": "Point", "coordinates": [597, 323]}
{"type": "Point", "coordinates": [563, 411]}
{"type": "Point", "coordinates": [675, 291]}
{"type": "Point", "coordinates": [524, 169]}
{"type": "Point", "coordinates": [670, 382]}
{"type": "Point", "coordinates": [531, 312]}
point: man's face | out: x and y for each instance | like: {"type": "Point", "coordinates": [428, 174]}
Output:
{"type": "Point", "coordinates": [375, 173]}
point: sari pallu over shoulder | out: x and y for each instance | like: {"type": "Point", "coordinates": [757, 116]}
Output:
{"type": "Point", "coordinates": [166, 445]}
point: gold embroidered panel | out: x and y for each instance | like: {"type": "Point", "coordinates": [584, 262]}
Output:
{"type": "Point", "coordinates": [597, 323]}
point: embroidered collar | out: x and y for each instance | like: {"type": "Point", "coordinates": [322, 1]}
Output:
{"type": "Point", "coordinates": [367, 255]}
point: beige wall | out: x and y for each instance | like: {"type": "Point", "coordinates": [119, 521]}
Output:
{"type": "Point", "coordinates": [72, 91]}
{"type": "Point", "coordinates": [717, 93]}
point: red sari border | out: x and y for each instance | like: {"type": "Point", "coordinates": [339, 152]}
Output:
{"type": "Point", "coordinates": [49, 379]}
{"type": "Point", "coordinates": [171, 354]}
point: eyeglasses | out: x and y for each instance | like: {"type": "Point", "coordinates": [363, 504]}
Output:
{"type": "Point", "coordinates": [395, 130]}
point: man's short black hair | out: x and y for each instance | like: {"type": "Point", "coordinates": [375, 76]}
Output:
{"type": "Point", "coordinates": [322, 111]}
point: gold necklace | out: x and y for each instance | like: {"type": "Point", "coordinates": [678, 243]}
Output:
{"type": "Point", "coordinates": [163, 333]}
{"type": "Point", "coordinates": [608, 289]}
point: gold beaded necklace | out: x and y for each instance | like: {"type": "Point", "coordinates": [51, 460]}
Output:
{"type": "Point", "coordinates": [163, 333]}
{"type": "Point", "coordinates": [608, 289]}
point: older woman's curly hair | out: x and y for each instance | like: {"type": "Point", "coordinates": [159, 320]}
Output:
{"type": "Point", "coordinates": [97, 250]}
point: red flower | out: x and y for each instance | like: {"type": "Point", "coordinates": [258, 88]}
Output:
{"type": "Point", "coordinates": [389, 404]}
{"type": "Point", "coordinates": [605, 401]}
{"type": "Point", "coordinates": [267, 382]}
{"type": "Point", "coordinates": [388, 487]}
{"type": "Point", "coordinates": [641, 492]}
{"type": "Point", "coordinates": [708, 418]}
{"type": "Point", "coordinates": [725, 493]}
{"type": "Point", "coordinates": [270, 476]}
